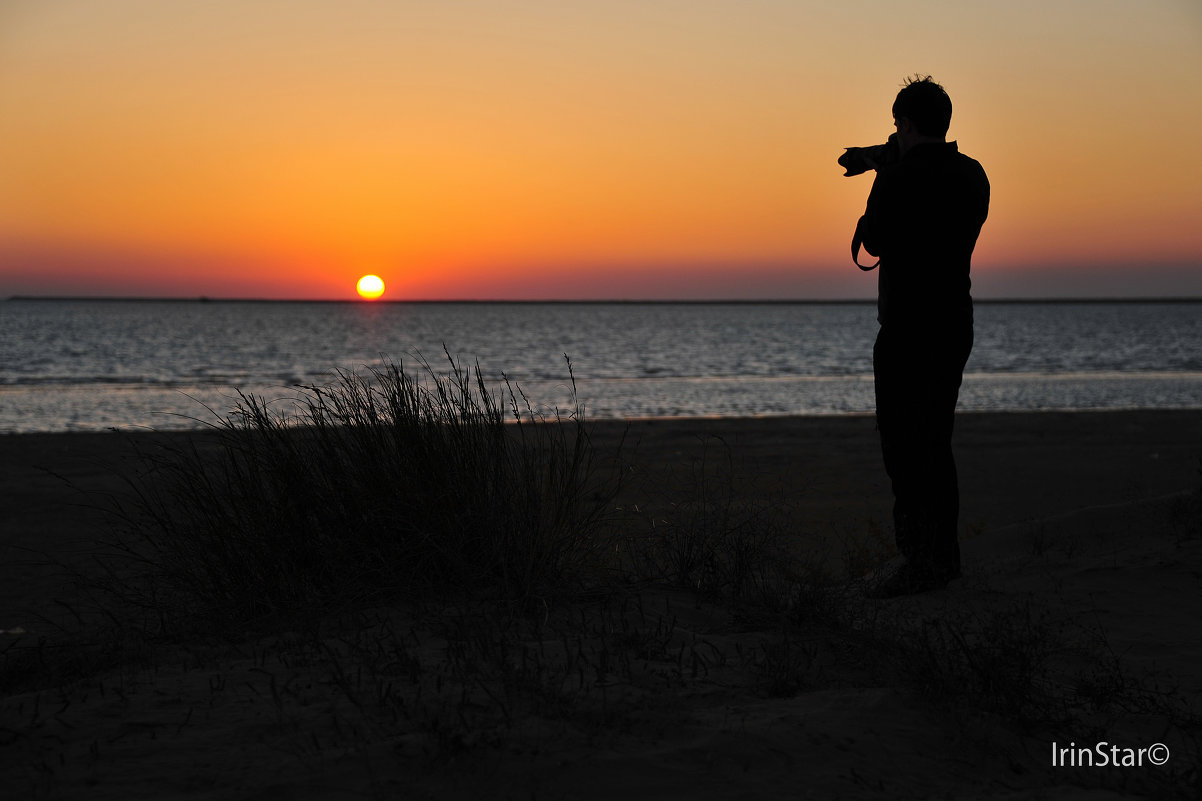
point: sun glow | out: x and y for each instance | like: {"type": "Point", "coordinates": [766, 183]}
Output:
{"type": "Point", "coordinates": [370, 287]}
{"type": "Point", "coordinates": [205, 149]}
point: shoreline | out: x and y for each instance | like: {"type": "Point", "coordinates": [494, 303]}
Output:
{"type": "Point", "coordinates": [138, 431]}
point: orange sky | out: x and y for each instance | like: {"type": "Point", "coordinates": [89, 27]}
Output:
{"type": "Point", "coordinates": [481, 149]}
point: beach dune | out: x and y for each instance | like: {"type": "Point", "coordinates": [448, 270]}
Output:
{"type": "Point", "coordinates": [1084, 522]}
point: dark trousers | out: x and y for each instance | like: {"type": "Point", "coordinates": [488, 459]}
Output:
{"type": "Point", "coordinates": [918, 370]}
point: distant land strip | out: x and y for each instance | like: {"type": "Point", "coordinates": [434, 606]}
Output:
{"type": "Point", "coordinates": [592, 302]}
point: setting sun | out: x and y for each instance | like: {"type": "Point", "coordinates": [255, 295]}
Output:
{"type": "Point", "coordinates": [370, 287]}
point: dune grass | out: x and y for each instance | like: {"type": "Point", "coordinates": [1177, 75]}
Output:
{"type": "Point", "coordinates": [384, 485]}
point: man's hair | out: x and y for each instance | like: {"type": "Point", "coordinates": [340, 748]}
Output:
{"type": "Point", "coordinates": [926, 105]}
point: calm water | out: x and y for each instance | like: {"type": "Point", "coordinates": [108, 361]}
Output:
{"type": "Point", "coordinates": [80, 365]}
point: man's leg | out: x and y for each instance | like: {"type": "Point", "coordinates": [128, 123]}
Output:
{"type": "Point", "coordinates": [944, 497]}
{"type": "Point", "coordinates": [898, 421]}
{"type": "Point", "coordinates": [917, 376]}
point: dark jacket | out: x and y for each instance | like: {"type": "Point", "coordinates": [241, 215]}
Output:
{"type": "Point", "coordinates": [923, 217]}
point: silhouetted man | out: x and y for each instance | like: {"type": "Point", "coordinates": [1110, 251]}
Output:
{"type": "Point", "coordinates": [922, 220]}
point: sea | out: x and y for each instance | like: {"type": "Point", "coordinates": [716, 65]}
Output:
{"type": "Point", "coordinates": [92, 365]}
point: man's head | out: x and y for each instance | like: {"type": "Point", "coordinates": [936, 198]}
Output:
{"type": "Point", "coordinates": [922, 112]}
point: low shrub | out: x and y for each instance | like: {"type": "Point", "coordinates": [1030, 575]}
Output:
{"type": "Point", "coordinates": [381, 485]}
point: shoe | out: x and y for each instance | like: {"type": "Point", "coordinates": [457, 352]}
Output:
{"type": "Point", "coordinates": [908, 580]}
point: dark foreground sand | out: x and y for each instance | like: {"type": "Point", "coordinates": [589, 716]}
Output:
{"type": "Point", "coordinates": [1082, 521]}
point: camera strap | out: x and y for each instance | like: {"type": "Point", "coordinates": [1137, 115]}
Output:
{"type": "Point", "coordinates": [856, 243]}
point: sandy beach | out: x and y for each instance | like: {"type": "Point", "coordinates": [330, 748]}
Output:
{"type": "Point", "coordinates": [1082, 541]}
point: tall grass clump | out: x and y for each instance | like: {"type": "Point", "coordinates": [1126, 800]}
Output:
{"type": "Point", "coordinates": [380, 486]}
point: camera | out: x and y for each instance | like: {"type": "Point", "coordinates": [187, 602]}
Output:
{"type": "Point", "coordinates": [857, 160]}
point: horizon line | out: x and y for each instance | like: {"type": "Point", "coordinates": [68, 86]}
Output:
{"type": "Point", "coordinates": [587, 301]}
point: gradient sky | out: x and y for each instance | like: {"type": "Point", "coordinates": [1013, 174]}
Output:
{"type": "Point", "coordinates": [563, 149]}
